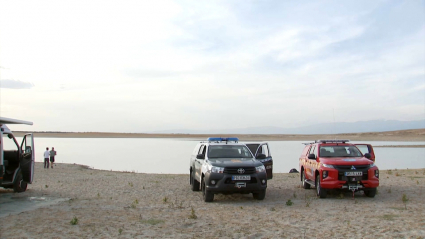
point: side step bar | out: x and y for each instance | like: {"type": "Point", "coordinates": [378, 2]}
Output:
{"type": "Point", "coordinates": [311, 182]}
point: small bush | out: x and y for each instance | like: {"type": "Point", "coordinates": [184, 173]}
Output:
{"type": "Point", "coordinates": [165, 199]}
{"type": "Point", "coordinates": [74, 221]}
{"type": "Point", "coordinates": [120, 231]}
{"type": "Point", "coordinates": [192, 214]}
{"type": "Point", "coordinates": [289, 202]}
{"type": "Point", "coordinates": [405, 200]}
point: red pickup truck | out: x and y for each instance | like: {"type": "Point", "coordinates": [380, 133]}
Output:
{"type": "Point", "coordinates": [338, 164]}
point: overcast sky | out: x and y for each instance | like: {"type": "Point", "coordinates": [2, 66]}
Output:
{"type": "Point", "coordinates": [140, 66]}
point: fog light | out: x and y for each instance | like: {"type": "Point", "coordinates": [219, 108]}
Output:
{"type": "Point", "coordinates": [377, 173]}
{"type": "Point", "coordinates": [325, 174]}
{"type": "Point", "coordinates": [263, 181]}
{"type": "Point", "coordinates": [213, 182]}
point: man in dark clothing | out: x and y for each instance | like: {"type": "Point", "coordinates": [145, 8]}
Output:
{"type": "Point", "coordinates": [52, 156]}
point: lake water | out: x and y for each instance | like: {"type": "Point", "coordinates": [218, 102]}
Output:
{"type": "Point", "coordinates": [171, 156]}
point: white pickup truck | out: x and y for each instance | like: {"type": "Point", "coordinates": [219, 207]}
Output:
{"type": "Point", "coordinates": [16, 161]}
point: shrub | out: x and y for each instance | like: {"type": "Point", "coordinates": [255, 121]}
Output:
{"type": "Point", "coordinates": [289, 202]}
{"type": "Point", "coordinates": [74, 221]}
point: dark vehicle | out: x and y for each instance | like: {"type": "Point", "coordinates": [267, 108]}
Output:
{"type": "Point", "coordinates": [16, 161]}
{"type": "Point", "coordinates": [223, 165]}
{"type": "Point", "coordinates": [262, 153]}
{"type": "Point", "coordinates": [338, 164]}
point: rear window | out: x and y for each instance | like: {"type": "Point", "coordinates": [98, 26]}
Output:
{"type": "Point", "coordinates": [339, 151]}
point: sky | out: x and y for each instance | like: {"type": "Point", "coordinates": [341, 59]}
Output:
{"type": "Point", "coordinates": [143, 66]}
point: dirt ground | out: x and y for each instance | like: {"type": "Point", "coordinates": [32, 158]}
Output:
{"type": "Point", "coordinates": [108, 204]}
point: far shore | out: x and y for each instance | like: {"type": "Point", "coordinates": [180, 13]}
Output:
{"type": "Point", "coordinates": [399, 135]}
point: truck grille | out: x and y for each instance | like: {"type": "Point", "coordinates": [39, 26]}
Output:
{"type": "Point", "coordinates": [348, 167]}
{"type": "Point", "coordinates": [234, 170]}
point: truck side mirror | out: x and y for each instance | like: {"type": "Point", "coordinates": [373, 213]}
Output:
{"type": "Point", "coordinates": [261, 156]}
{"type": "Point", "coordinates": [367, 155]}
{"type": "Point", "coordinates": [200, 156]}
{"type": "Point", "coordinates": [311, 156]}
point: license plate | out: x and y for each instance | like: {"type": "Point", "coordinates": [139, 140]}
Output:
{"type": "Point", "coordinates": [353, 174]}
{"type": "Point", "coordinates": [241, 177]}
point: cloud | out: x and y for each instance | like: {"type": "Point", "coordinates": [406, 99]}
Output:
{"type": "Point", "coordinates": [15, 84]}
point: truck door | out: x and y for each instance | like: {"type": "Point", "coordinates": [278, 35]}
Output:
{"type": "Point", "coordinates": [26, 161]}
{"type": "Point", "coordinates": [367, 148]}
{"type": "Point", "coordinates": [310, 164]}
{"type": "Point", "coordinates": [268, 160]}
{"type": "Point", "coordinates": [200, 162]}
{"type": "Point", "coordinates": [262, 153]}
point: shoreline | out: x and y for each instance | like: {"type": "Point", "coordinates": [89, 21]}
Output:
{"type": "Point", "coordinates": [399, 135]}
{"type": "Point", "coordinates": [104, 204]}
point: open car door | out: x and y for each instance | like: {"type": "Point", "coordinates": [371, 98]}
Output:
{"type": "Point", "coordinates": [261, 152]}
{"type": "Point", "coordinates": [27, 158]}
{"type": "Point", "coordinates": [367, 148]}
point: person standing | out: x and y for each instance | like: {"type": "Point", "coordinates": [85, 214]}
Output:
{"type": "Point", "coordinates": [52, 156]}
{"type": "Point", "coordinates": [46, 158]}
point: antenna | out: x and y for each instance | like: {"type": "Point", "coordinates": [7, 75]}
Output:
{"type": "Point", "coordinates": [333, 128]}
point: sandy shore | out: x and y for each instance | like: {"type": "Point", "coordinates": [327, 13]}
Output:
{"type": "Point", "coordinates": [111, 204]}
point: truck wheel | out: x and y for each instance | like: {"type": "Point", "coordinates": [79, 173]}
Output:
{"type": "Point", "coordinates": [370, 192]}
{"type": "Point", "coordinates": [303, 183]}
{"type": "Point", "coordinates": [194, 183]}
{"type": "Point", "coordinates": [259, 196]}
{"type": "Point", "coordinates": [19, 185]}
{"type": "Point", "coordinates": [320, 191]}
{"type": "Point", "coordinates": [207, 195]}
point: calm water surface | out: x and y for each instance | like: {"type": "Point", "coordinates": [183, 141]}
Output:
{"type": "Point", "coordinates": [171, 156]}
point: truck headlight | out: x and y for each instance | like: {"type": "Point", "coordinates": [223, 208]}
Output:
{"type": "Point", "coordinates": [215, 169]}
{"type": "Point", "coordinates": [260, 169]}
{"type": "Point", "coordinates": [327, 165]}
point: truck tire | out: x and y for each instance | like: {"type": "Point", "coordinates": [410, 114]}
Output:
{"type": "Point", "coordinates": [320, 191]}
{"type": "Point", "coordinates": [259, 196]}
{"type": "Point", "coordinates": [370, 192]}
{"type": "Point", "coordinates": [207, 195]}
{"type": "Point", "coordinates": [303, 183]}
{"type": "Point", "coordinates": [19, 185]}
{"type": "Point", "coordinates": [194, 183]}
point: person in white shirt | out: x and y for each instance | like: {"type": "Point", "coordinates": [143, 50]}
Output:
{"type": "Point", "coordinates": [46, 158]}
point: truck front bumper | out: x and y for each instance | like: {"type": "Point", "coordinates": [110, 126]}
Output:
{"type": "Point", "coordinates": [223, 183]}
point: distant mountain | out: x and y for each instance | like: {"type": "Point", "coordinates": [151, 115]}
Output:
{"type": "Point", "coordinates": [325, 128]}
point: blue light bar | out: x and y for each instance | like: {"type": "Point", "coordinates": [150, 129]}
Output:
{"type": "Point", "coordinates": [219, 139]}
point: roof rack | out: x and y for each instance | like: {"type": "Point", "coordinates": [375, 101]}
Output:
{"type": "Point", "coordinates": [332, 141]}
{"type": "Point", "coordinates": [219, 139]}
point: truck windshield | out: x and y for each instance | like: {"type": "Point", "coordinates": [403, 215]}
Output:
{"type": "Point", "coordinates": [339, 151]}
{"type": "Point", "coordinates": [229, 151]}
